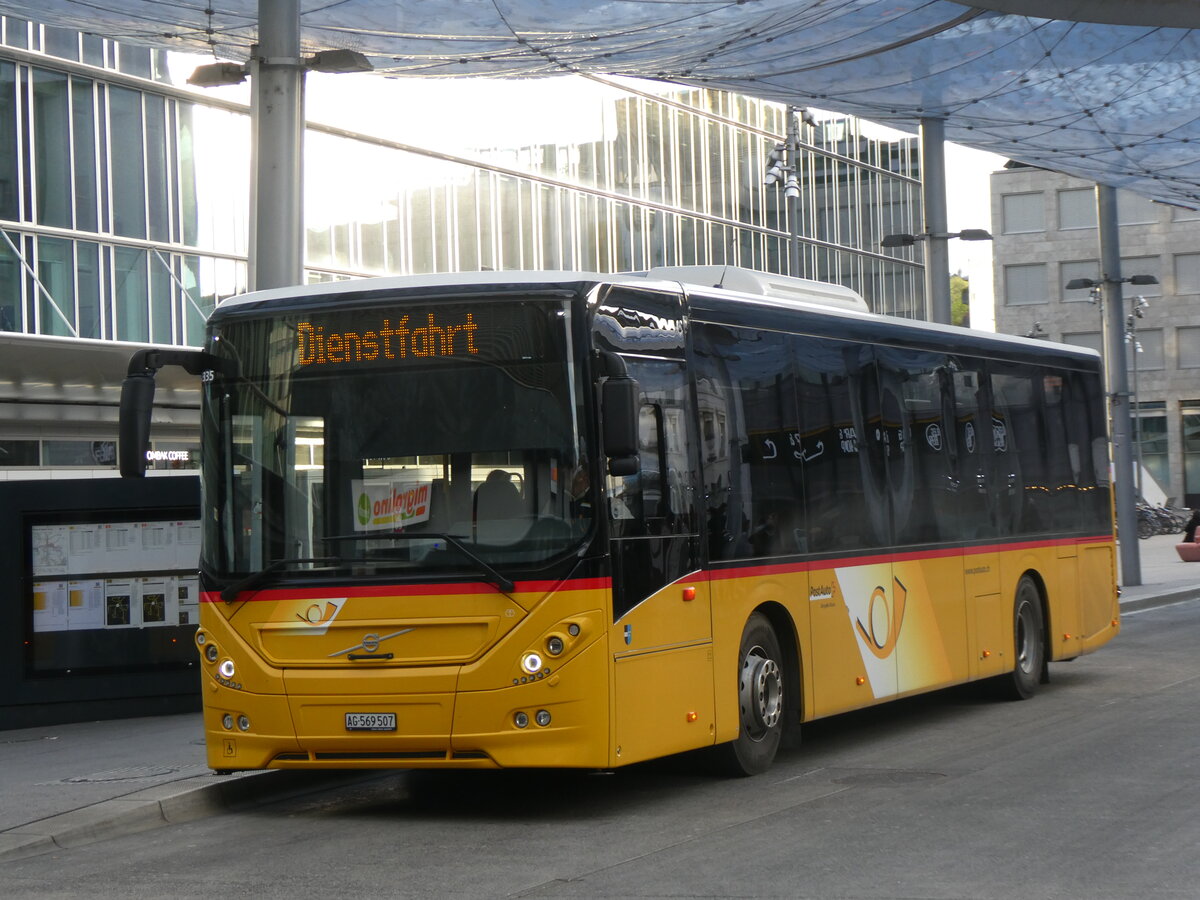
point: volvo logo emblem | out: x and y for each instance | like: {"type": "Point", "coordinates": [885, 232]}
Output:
{"type": "Point", "coordinates": [371, 642]}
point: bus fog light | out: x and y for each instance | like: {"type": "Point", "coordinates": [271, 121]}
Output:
{"type": "Point", "coordinates": [542, 717]}
{"type": "Point", "coordinates": [243, 723]}
{"type": "Point", "coordinates": [227, 668]}
{"type": "Point", "coordinates": [532, 662]}
{"type": "Point", "coordinates": [227, 722]}
{"type": "Point", "coordinates": [521, 719]}
{"type": "Point", "coordinates": [211, 652]}
{"type": "Point", "coordinates": [554, 645]}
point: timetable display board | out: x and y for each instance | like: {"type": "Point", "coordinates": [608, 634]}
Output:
{"type": "Point", "coordinates": [106, 575]}
{"type": "Point", "coordinates": [98, 598]}
{"type": "Point", "coordinates": [106, 592]}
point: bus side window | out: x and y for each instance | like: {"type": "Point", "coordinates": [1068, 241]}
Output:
{"type": "Point", "coordinates": [654, 500]}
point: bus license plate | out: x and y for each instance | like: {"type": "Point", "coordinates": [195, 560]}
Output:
{"type": "Point", "coordinates": [370, 721]}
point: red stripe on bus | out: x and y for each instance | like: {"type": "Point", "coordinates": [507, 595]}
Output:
{"type": "Point", "coordinates": [877, 558]}
{"type": "Point", "coordinates": [409, 590]}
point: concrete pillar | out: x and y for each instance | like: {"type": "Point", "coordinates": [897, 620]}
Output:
{"type": "Point", "coordinates": [933, 193]}
{"type": "Point", "coordinates": [1117, 379]}
{"type": "Point", "coordinates": [277, 136]}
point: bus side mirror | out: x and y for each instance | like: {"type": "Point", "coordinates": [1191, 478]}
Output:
{"type": "Point", "coordinates": [619, 401]}
{"type": "Point", "coordinates": [137, 398]}
{"type": "Point", "coordinates": [137, 402]}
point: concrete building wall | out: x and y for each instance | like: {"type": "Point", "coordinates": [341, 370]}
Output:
{"type": "Point", "coordinates": [1045, 235]}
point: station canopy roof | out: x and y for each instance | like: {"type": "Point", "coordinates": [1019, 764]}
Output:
{"type": "Point", "coordinates": [1103, 89]}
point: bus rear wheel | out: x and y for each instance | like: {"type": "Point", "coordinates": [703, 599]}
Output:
{"type": "Point", "coordinates": [760, 702]}
{"type": "Point", "coordinates": [1029, 643]}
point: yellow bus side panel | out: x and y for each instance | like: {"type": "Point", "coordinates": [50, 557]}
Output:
{"type": "Point", "coordinates": [733, 600]}
{"type": "Point", "coordinates": [663, 673]}
{"type": "Point", "coordinates": [664, 702]}
{"type": "Point", "coordinates": [1099, 604]}
{"type": "Point", "coordinates": [988, 615]}
{"type": "Point", "coordinates": [883, 630]}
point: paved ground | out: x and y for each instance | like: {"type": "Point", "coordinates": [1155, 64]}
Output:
{"type": "Point", "coordinates": [67, 785]}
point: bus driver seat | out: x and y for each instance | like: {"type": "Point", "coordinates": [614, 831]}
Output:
{"type": "Point", "coordinates": [497, 499]}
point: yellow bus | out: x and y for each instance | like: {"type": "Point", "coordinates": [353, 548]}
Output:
{"type": "Point", "coordinates": [578, 520]}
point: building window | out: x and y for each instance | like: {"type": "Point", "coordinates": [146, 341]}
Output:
{"type": "Point", "coordinates": [1025, 284]}
{"type": "Point", "coordinates": [1093, 340]}
{"type": "Point", "coordinates": [52, 140]}
{"type": "Point", "coordinates": [1150, 420]}
{"type": "Point", "coordinates": [11, 278]}
{"type": "Point", "coordinates": [1069, 271]}
{"type": "Point", "coordinates": [79, 453]}
{"type": "Point", "coordinates": [1150, 356]}
{"type": "Point", "coordinates": [1190, 413]}
{"type": "Point", "coordinates": [1187, 273]}
{"type": "Point", "coordinates": [128, 163]}
{"type": "Point", "coordinates": [1134, 209]}
{"type": "Point", "coordinates": [1077, 208]}
{"type": "Point", "coordinates": [18, 453]}
{"type": "Point", "coordinates": [1189, 347]}
{"type": "Point", "coordinates": [1023, 213]}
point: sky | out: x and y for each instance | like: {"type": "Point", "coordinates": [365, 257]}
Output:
{"type": "Point", "coordinates": [968, 205]}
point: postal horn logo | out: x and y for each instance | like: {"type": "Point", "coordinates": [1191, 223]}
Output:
{"type": "Point", "coordinates": [315, 616]}
{"type": "Point", "coordinates": [881, 632]}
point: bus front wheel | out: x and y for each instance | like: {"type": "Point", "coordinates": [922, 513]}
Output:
{"type": "Point", "coordinates": [1029, 642]}
{"type": "Point", "coordinates": [760, 701]}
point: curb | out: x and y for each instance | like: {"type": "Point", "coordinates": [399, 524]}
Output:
{"type": "Point", "coordinates": [166, 804]}
{"type": "Point", "coordinates": [1166, 598]}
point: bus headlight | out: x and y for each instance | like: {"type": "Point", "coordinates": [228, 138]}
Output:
{"type": "Point", "coordinates": [554, 645]}
{"type": "Point", "coordinates": [532, 663]}
{"type": "Point", "coordinates": [227, 669]}
{"type": "Point", "coordinates": [211, 652]}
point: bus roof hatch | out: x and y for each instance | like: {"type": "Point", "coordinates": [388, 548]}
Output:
{"type": "Point", "coordinates": [765, 284]}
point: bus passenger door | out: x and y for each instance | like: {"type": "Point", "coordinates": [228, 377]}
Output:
{"type": "Point", "coordinates": [662, 630]}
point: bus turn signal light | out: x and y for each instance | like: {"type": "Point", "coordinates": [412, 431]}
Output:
{"type": "Point", "coordinates": [692, 717]}
{"type": "Point", "coordinates": [860, 681]}
{"type": "Point", "coordinates": [689, 593]}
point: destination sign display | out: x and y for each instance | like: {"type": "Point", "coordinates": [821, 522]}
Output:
{"type": "Point", "coordinates": [392, 337]}
{"type": "Point", "coordinates": [389, 336]}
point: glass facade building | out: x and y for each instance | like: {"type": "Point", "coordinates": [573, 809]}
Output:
{"type": "Point", "coordinates": [124, 197]}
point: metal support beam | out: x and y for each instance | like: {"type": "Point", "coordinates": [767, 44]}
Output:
{"type": "Point", "coordinates": [933, 195]}
{"type": "Point", "coordinates": [793, 196]}
{"type": "Point", "coordinates": [277, 135]}
{"type": "Point", "coordinates": [1117, 374]}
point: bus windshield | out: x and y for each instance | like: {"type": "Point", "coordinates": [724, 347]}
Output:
{"type": "Point", "coordinates": [433, 438]}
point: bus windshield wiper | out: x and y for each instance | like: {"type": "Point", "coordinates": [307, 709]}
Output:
{"type": "Point", "coordinates": [229, 592]}
{"type": "Point", "coordinates": [455, 541]}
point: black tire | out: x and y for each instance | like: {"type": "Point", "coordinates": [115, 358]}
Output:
{"type": "Point", "coordinates": [760, 701]}
{"type": "Point", "coordinates": [1029, 643]}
